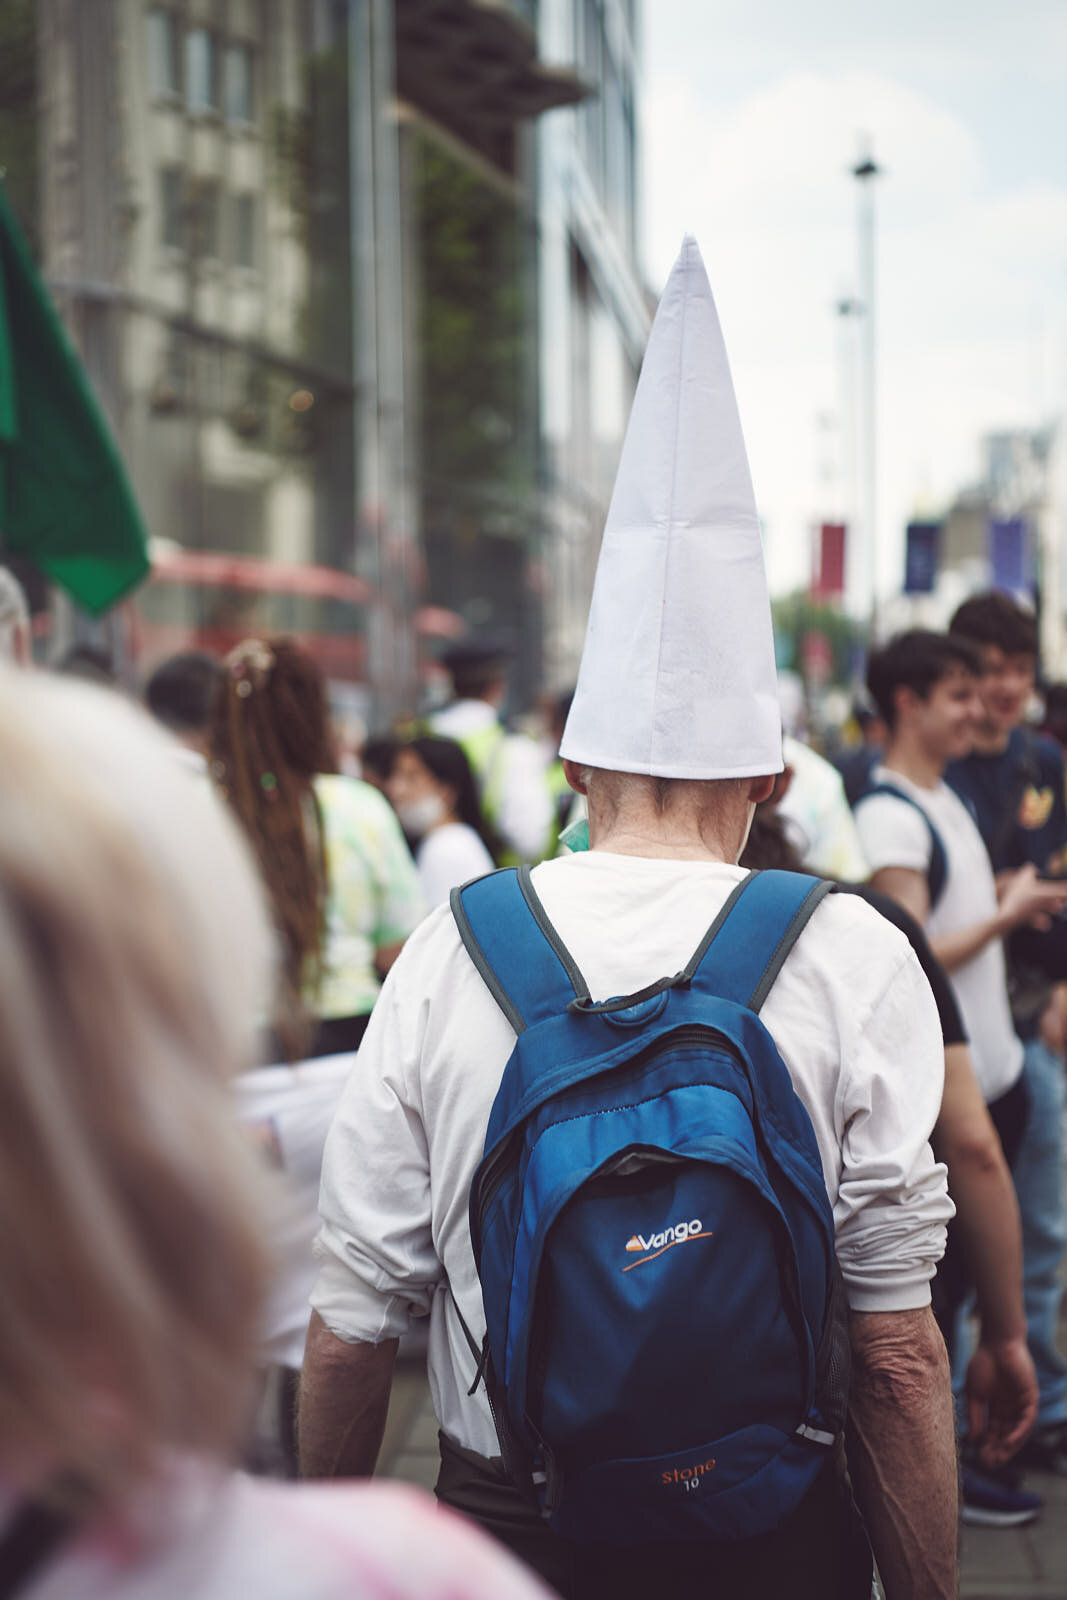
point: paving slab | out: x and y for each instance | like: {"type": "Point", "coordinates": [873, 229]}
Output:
{"type": "Point", "coordinates": [1020, 1563]}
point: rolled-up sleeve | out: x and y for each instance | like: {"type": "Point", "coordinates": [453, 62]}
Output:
{"type": "Point", "coordinates": [893, 833]}
{"type": "Point", "coordinates": [377, 1265]}
{"type": "Point", "coordinates": [892, 1204]}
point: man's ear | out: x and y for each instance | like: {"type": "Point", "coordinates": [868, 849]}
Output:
{"type": "Point", "coordinates": [783, 782]}
{"type": "Point", "coordinates": [761, 788]}
{"type": "Point", "coordinates": [573, 774]}
{"type": "Point", "coordinates": [905, 700]}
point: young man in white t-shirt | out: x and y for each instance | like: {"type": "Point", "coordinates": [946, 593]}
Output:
{"type": "Point", "coordinates": [926, 687]}
{"type": "Point", "coordinates": [925, 850]}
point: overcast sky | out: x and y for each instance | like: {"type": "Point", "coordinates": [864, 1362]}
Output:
{"type": "Point", "coordinates": [752, 113]}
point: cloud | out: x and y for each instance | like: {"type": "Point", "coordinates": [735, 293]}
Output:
{"type": "Point", "coordinates": [970, 277]}
{"type": "Point", "coordinates": [954, 42]}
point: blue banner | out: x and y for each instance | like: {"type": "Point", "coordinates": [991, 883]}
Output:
{"type": "Point", "coordinates": [1009, 554]}
{"type": "Point", "coordinates": [922, 557]}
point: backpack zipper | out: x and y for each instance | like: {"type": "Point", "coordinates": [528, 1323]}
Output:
{"type": "Point", "coordinates": [688, 1033]}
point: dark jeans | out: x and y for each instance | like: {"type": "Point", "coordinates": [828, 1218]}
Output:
{"type": "Point", "coordinates": [820, 1551]}
{"type": "Point", "coordinates": [953, 1282]}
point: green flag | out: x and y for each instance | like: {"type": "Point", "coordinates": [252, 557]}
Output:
{"type": "Point", "coordinates": [65, 500]}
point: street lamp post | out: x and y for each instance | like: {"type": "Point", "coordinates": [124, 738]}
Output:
{"type": "Point", "coordinates": [847, 309]}
{"type": "Point", "coordinates": [865, 171]}
{"type": "Point", "coordinates": [385, 552]}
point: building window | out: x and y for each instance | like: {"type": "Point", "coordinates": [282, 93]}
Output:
{"type": "Point", "coordinates": [243, 242]}
{"type": "Point", "coordinates": [172, 207]}
{"type": "Point", "coordinates": [240, 105]}
{"type": "Point", "coordinates": [201, 70]}
{"type": "Point", "coordinates": [591, 66]}
{"type": "Point", "coordinates": [207, 218]}
{"type": "Point", "coordinates": [164, 66]}
{"type": "Point", "coordinates": [616, 146]}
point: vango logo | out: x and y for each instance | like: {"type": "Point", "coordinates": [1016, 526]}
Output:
{"type": "Point", "coordinates": [656, 1243]}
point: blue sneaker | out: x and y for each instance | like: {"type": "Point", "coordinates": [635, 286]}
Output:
{"type": "Point", "coordinates": [985, 1503]}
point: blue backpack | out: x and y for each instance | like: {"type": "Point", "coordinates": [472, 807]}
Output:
{"type": "Point", "coordinates": [666, 1353]}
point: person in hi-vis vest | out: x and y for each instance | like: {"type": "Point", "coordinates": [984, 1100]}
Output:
{"type": "Point", "coordinates": [507, 766]}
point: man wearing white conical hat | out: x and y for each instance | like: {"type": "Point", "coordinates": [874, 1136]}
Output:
{"type": "Point", "coordinates": [674, 736]}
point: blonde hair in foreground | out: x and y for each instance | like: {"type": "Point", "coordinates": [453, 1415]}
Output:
{"type": "Point", "coordinates": [133, 956]}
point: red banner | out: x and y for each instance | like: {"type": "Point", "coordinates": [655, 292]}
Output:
{"type": "Point", "coordinates": [828, 577]}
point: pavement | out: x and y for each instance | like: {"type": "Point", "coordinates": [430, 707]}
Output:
{"type": "Point", "coordinates": [995, 1563]}
{"type": "Point", "coordinates": [1021, 1563]}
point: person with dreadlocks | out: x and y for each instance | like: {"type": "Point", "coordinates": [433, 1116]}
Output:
{"type": "Point", "coordinates": [345, 895]}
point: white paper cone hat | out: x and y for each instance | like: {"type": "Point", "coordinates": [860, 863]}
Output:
{"type": "Point", "coordinates": [677, 676]}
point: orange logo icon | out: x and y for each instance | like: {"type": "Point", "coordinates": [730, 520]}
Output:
{"type": "Point", "coordinates": [657, 1243]}
{"type": "Point", "coordinates": [1034, 808]}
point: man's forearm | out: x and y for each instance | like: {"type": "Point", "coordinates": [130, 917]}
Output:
{"type": "Point", "coordinates": [953, 950]}
{"type": "Point", "coordinates": [902, 1451]}
{"type": "Point", "coordinates": [344, 1399]}
{"type": "Point", "coordinates": [987, 1220]}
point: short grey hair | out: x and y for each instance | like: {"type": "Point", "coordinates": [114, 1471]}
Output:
{"type": "Point", "coordinates": [611, 786]}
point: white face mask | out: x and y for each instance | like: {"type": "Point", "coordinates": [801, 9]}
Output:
{"type": "Point", "coordinates": [417, 817]}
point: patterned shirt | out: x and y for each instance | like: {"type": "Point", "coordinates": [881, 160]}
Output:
{"type": "Point", "coordinates": [374, 897]}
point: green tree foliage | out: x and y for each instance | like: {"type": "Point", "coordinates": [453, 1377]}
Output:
{"type": "Point", "coordinates": [308, 171]}
{"type": "Point", "coordinates": [471, 335]}
{"type": "Point", "coordinates": [796, 614]}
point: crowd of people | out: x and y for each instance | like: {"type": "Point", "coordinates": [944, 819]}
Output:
{"type": "Point", "coordinates": [296, 1064]}
{"type": "Point", "coordinates": [960, 816]}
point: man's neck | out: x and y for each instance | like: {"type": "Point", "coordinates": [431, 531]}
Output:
{"type": "Point", "coordinates": [666, 838]}
{"type": "Point", "coordinates": [627, 841]}
{"type": "Point", "coordinates": [694, 822]}
{"type": "Point", "coordinates": [905, 756]}
{"type": "Point", "coordinates": [989, 740]}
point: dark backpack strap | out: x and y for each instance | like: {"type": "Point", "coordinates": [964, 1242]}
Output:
{"type": "Point", "coordinates": [937, 867]}
{"type": "Point", "coordinates": [746, 946]}
{"type": "Point", "coordinates": [519, 955]}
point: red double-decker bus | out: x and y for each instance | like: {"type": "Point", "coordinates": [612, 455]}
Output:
{"type": "Point", "coordinates": [211, 599]}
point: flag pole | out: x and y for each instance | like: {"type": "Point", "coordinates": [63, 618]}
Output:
{"type": "Point", "coordinates": [865, 171]}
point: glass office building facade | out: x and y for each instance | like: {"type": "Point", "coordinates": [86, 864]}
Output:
{"type": "Point", "coordinates": [355, 283]}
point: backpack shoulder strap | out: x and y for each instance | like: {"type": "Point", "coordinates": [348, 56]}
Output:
{"type": "Point", "coordinates": [937, 869]}
{"type": "Point", "coordinates": [518, 953]}
{"type": "Point", "coordinates": [746, 946]}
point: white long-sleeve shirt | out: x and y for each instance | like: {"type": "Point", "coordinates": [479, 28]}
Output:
{"type": "Point", "coordinates": [851, 1013]}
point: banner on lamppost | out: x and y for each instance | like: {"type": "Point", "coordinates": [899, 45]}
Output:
{"type": "Point", "coordinates": [828, 579]}
{"type": "Point", "coordinates": [1010, 556]}
{"type": "Point", "coordinates": [922, 557]}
